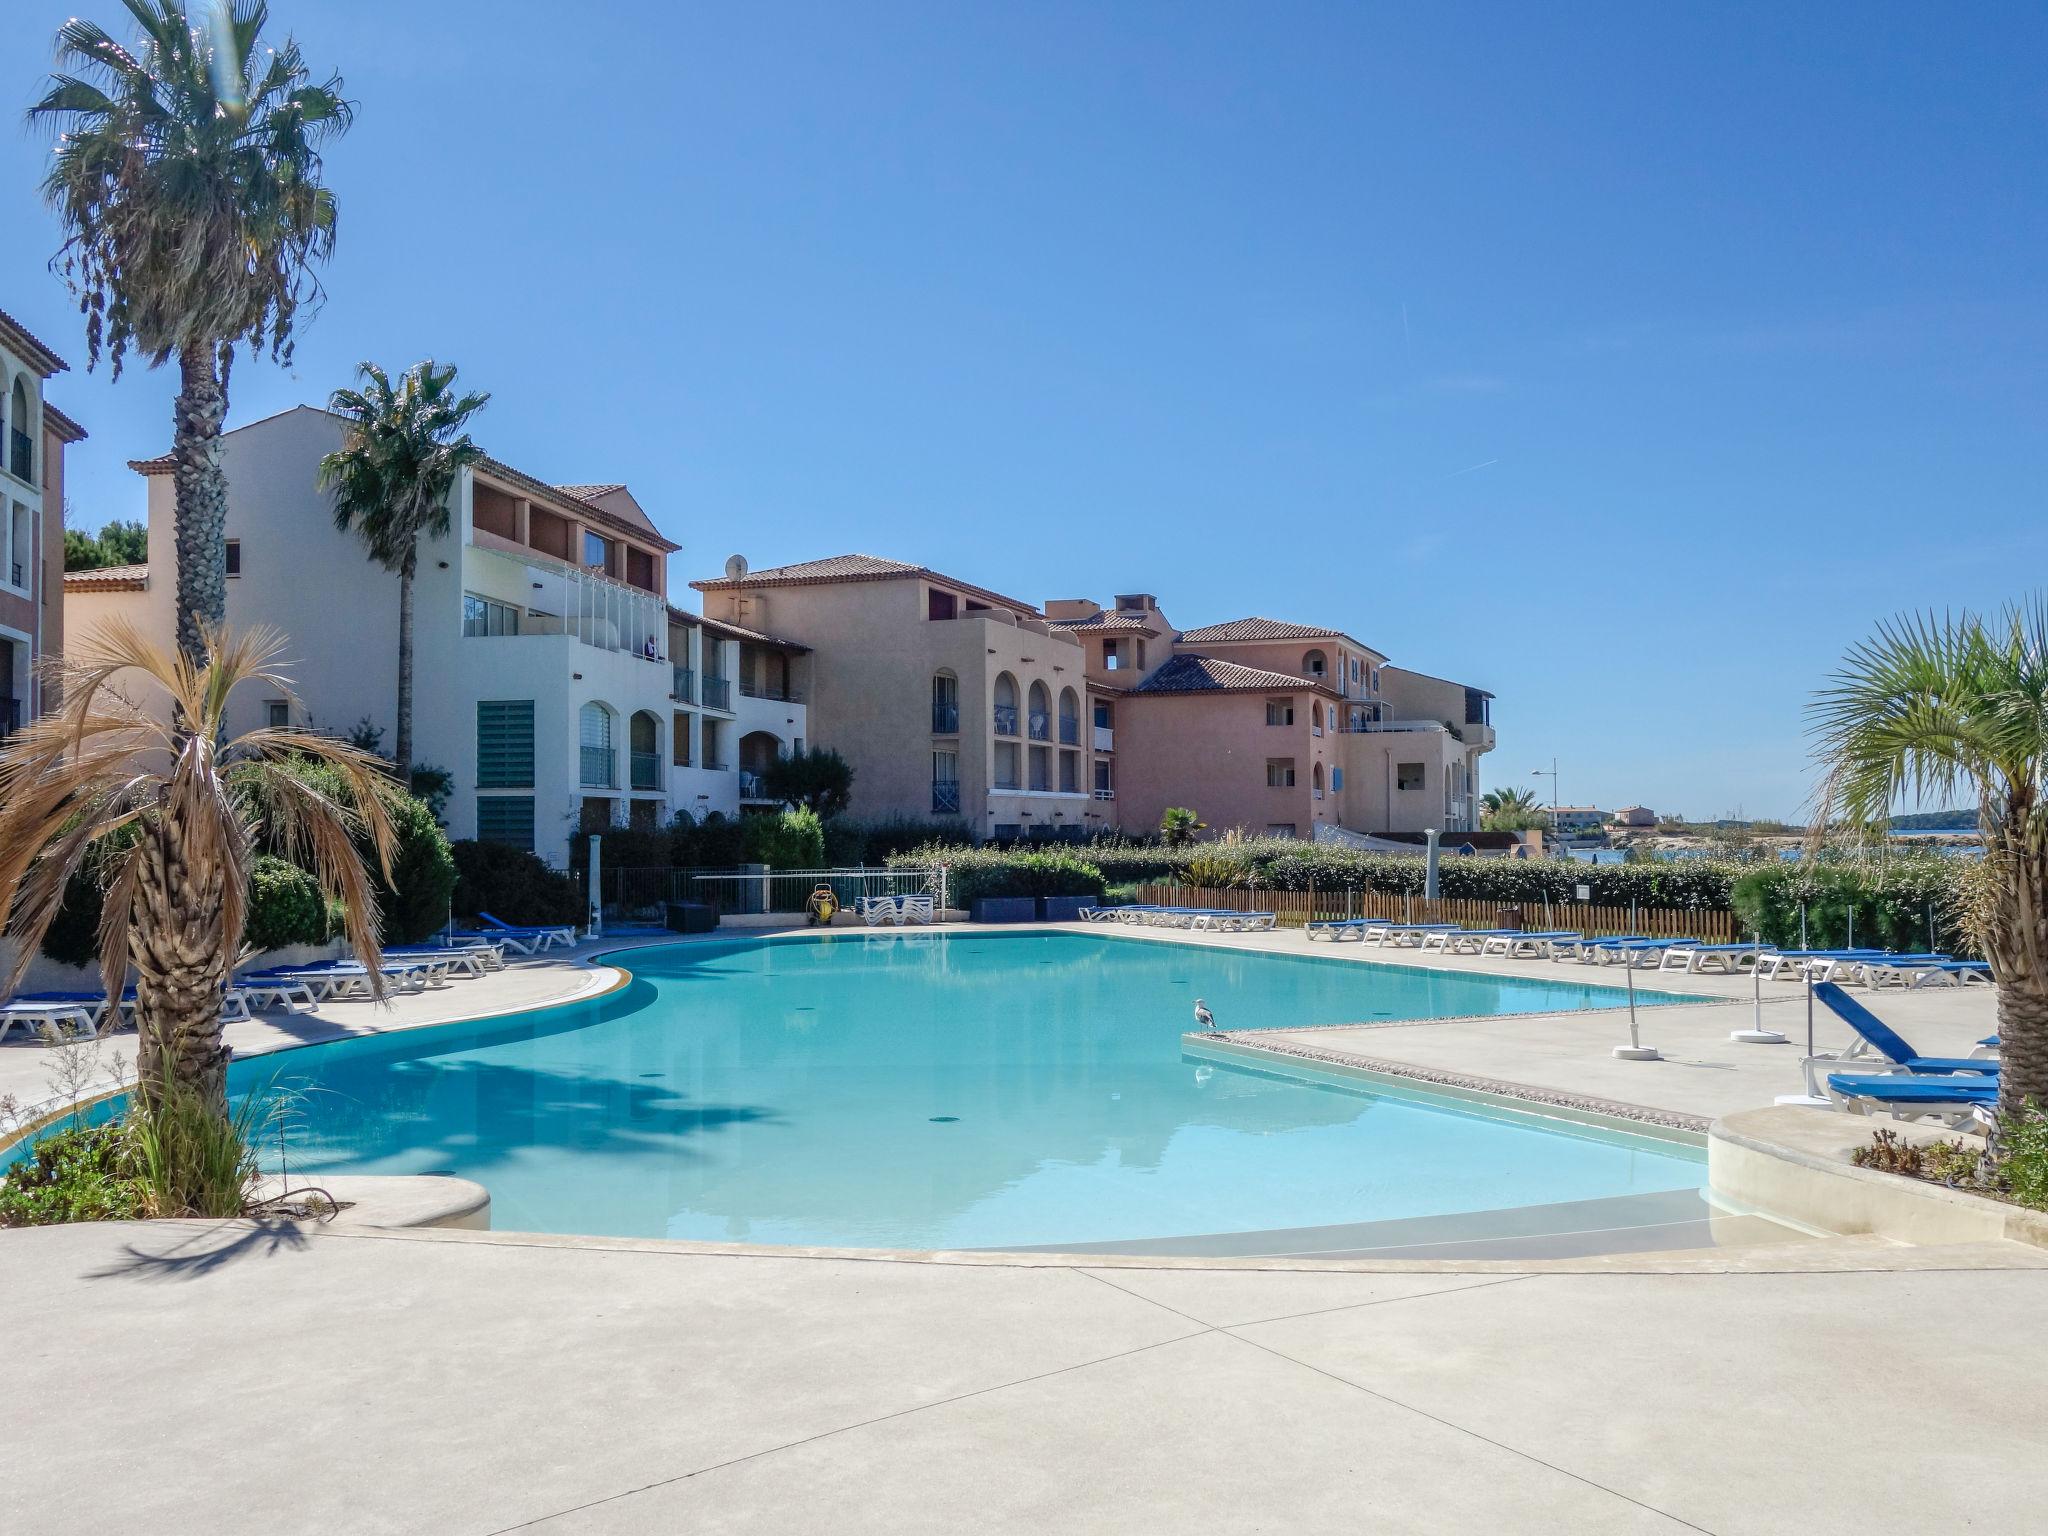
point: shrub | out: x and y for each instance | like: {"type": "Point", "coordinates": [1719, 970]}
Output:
{"type": "Point", "coordinates": [817, 779]}
{"type": "Point", "coordinates": [73, 937]}
{"type": "Point", "coordinates": [416, 902]}
{"type": "Point", "coordinates": [512, 884]}
{"type": "Point", "coordinates": [80, 1173]}
{"type": "Point", "coordinates": [851, 843]}
{"type": "Point", "coordinates": [717, 841]}
{"type": "Point", "coordinates": [1894, 903]}
{"type": "Point", "coordinates": [285, 906]}
{"type": "Point", "coordinates": [974, 873]}
{"type": "Point", "coordinates": [2023, 1157]}
{"type": "Point", "coordinates": [792, 840]}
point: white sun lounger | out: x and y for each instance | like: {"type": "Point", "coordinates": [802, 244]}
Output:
{"type": "Point", "coordinates": [1698, 959]}
{"type": "Point", "coordinates": [914, 909]}
{"type": "Point", "coordinates": [76, 1017]}
{"type": "Point", "coordinates": [1517, 945]}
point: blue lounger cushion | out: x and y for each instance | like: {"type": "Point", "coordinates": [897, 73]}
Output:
{"type": "Point", "coordinates": [1888, 1041]}
{"type": "Point", "coordinates": [1887, 1089]}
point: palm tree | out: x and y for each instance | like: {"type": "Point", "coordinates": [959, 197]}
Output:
{"type": "Point", "coordinates": [187, 176]}
{"type": "Point", "coordinates": [1936, 707]}
{"type": "Point", "coordinates": [172, 811]}
{"type": "Point", "coordinates": [1519, 801]}
{"type": "Point", "coordinates": [391, 478]}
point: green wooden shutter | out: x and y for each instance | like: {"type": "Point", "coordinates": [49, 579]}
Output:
{"type": "Point", "coordinates": [505, 819]}
{"type": "Point", "coordinates": [504, 743]}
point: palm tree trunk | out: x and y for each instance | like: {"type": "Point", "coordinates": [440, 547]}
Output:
{"type": "Point", "coordinates": [2017, 947]}
{"type": "Point", "coordinates": [181, 955]}
{"type": "Point", "coordinates": [202, 495]}
{"type": "Point", "coordinates": [403, 751]}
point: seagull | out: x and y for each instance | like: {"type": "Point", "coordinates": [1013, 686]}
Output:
{"type": "Point", "coordinates": [1203, 1016]}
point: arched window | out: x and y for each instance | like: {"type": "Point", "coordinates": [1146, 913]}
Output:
{"type": "Point", "coordinates": [1006, 705]}
{"type": "Point", "coordinates": [21, 456]}
{"type": "Point", "coordinates": [599, 757]}
{"type": "Point", "coordinates": [1316, 779]}
{"type": "Point", "coordinates": [1315, 664]}
{"type": "Point", "coordinates": [1041, 713]}
{"type": "Point", "coordinates": [1315, 715]}
{"type": "Point", "coordinates": [945, 704]}
{"type": "Point", "coordinates": [1070, 717]}
{"type": "Point", "coordinates": [644, 736]}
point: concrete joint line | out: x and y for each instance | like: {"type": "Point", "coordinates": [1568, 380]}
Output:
{"type": "Point", "coordinates": [1394, 1402]}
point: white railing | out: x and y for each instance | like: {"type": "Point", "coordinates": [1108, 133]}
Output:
{"type": "Point", "coordinates": [1105, 738]}
{"type": "Point", "coordinates": [557, 599]}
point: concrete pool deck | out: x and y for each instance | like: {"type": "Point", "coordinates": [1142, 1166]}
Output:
{"type": "Point", "coordinates": [235, 1378]}
{"type": "Point", "coordinates": [476, 1382]}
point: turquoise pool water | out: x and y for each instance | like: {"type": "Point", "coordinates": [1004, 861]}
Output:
{"type": "Point", "coordinates": [926, 1091]}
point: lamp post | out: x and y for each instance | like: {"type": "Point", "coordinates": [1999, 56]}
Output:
{"type": "Point", "coordinates": [1549, 773]}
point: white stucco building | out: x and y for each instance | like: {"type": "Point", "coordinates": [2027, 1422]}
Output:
{"type": "Point", "coordinates": [550, 678]}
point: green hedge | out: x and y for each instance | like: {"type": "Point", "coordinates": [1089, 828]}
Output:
{"type": "Point", "coordinates": [285, 906]}
{"type": "Point", "coordinates": [416, 903]}
{"type": "Point", "coordinates": [512, 884]}
{"type": "Point", "coordinates": [973, 873]}
{"type": "Point", "coordinates": [1897, 903]}
{"type": "Point", "coordinates": [1289, 864]}
{"type": "Point", "coordinates": [793, 840]}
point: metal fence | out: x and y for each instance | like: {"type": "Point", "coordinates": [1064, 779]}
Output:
{"type": "Point", "coordinates": [1293, 907]}
{"type": "Point", "coordinates": [642, 895]}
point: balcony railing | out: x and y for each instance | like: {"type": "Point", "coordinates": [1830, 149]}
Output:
{"type": "Point", "coordinates": [1007, 781]}
{"type": "Point", "coordinates": [647, 770]}
{"type": "Point", "coordinates": [684, 688]}
{"type": "Point", "coordinates": [717, 693]}
{"type": "Point", "coordinates": [20, 454]}
{"type": "Point", "coordinates": [1006, 722]}
{"type": "Point", "coordinates": [1041, 781]}
{"type": "Point", "coordinates": [1070, 731]}
{"type": "Point", "coordinates": [17, 574]}
{"type": "Point", "coordinates": [945, 719]}
{"type": "Point", "coordinates": [775, 691]}
{"type": "Point", "coordinates": [713, 765]}
{"type": "Point", "coordinates": [1105, 794]}
{"type": "Point", "coordinates": [1041, 725]}
{"type": "Point", "coordinates": [598, 767]}
{"type": "Point", "coordinates": [1105, 738]}
{"type": "Point", "coordinates": [945, 797]}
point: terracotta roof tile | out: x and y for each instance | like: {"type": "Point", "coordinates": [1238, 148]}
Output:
{"type": "Point", "coordinates": [1102, 623]}
{"type": "Point", "coordinates": [840, 568]}
{"type": "Point", "coordinates": [1257, 629]}
{"type": "Point", "coordinates": [1205, 674]}
{"type": "Point", "coordinates": [734, 631]}
{"type": "Point", "coordinates": [67, 430]}
{"type": "Point", "coordinates": [590, 492]}
{"type": "Point", "coordinates": [20, 338]}
{"type": "Point", "coordinates": [108, 578]}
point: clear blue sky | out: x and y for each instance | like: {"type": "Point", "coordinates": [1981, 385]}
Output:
{"type": "Point", "coordinates": [1625, 360]}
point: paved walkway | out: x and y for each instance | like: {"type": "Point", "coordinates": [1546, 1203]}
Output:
{"type": "Point", "coordinates": [191, 1376]}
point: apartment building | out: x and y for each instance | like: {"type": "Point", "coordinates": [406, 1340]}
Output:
{"type": "Point", "coordinates": [948, 699]}
{"type": "Point", "coordinates": [1082, 718]}
{"type": "Point", "coordinates": [33, 437]}
{"type": "Point", "coordinates": [551, 677]}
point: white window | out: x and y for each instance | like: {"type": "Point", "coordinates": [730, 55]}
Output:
{"type": "Point", "coordinates": [486, 616]}
{"type": "Point", "coordinates": [1408, 776]}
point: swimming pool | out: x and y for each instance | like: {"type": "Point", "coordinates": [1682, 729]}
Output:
{"type": "Point", "coordinates": [942, 1091]}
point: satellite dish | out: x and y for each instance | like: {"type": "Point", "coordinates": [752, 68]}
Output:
{"type": "Point", "coordinates": [736, 567]}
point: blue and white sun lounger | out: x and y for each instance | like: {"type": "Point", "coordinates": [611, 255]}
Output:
{"type": "Point", "coordinates": [1522, 945]}
{"type": "Point", "coordinates": [1873, 1034]}
{"type": "Point", "coordinates": [527, 940]}
{"type": "Point", "coordinates": [1697, 959]}
{"type": "Point", "coordinates": [1338, 928]}
{"type": "Point", "coordinates": [1955, 1101]}
{"type": "Point", "coordinates": [1792, 964]}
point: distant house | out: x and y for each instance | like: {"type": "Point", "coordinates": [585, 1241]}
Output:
{"type": "Point", "coordinates": [33, 437]}
{"type": "Point", "coordinates": [1578, 818]}
{"type": "Point", "coordinates": [1635, 816]}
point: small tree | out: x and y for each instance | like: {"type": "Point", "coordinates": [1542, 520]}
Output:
{"type": "Point", "coordinates": [818, 780]}
{"type": "Point", "coordinates": [1178, 826]}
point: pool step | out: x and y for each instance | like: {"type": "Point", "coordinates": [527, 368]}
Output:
{"type": "Point", "coordinates": [1649, 1223]}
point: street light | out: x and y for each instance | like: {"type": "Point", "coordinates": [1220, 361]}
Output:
{"type": "Point", "coordinates": [1549, 773]}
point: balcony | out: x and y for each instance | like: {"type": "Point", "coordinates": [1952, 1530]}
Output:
{"type": "Point", "coordinates": [1006, 722]}
{"type": "Point", "coordinates": [1006, 779]}
{"type": "Point", "coordinates": [683, 689]}
{"type": "Point", "coordinates": [10, 717]}
{"type": "Point", "coordinates": [1040, 725]}
{"type": "Point", "coordinates": [20, 455]}
{"type": "Point", "coordinates": [945, 719]}
{"type": "Point", "coordinates": [781, 693]}
{"type": "Point", "coordinates": [598, 767]}
{"type": "Point", "coordinates": [1105, 738]}
{"type": "Point", "coordinates": [713, 765]}
{"type": "Point", "coordinates": [717, 693]}
{"type": "Point", "coordinates": [1105, 794]}
{"type": "Point", "coordinates": [558, 599]}
{"type": "Point", "coordinates": [646, 770]}
{"type": "Point", "coordinates": [1070, 731]}
{"type": "Point", "coordinates": [751, 787]}
{"type": "Point", "coordinates": [945, 797]}
{"type": "Point", "coordinates": [17, 575]}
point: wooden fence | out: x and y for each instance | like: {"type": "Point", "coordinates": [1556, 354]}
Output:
{"type": "Point", "coordinates": [1294, 908]}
